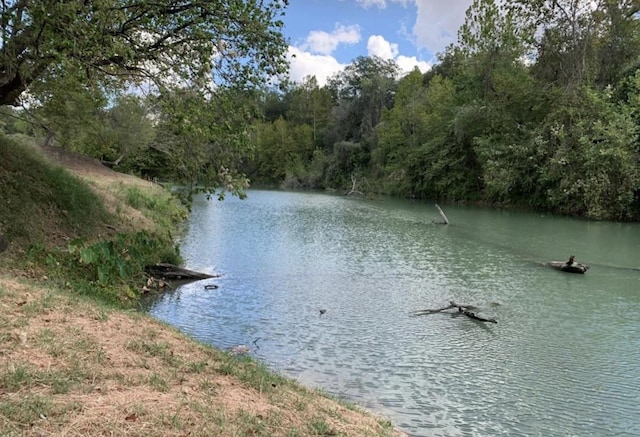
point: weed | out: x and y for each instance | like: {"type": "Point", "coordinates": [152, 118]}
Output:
{"type": "Point", "coordinates": [164, 210]}
{"type": "Point", "coordinates": [15, 377]}
{"type": "Point", "coordinates": [320, 427]}
{"type": "Point", "coordinates": [38, 196]}
{"type": "Point", "coordinates": [196, 367]}
{"type": "Point", "coordinates": [155, 349]}
{"type": "Point", "coordinates": [23, 411]}
{"type": "Point", "coordinates": [158, 382]}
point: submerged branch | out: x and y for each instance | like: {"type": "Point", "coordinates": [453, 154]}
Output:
{"type": "Point", "coordinates": [464, 309]}
{"type": "Point", "coordinates": [451, 305]}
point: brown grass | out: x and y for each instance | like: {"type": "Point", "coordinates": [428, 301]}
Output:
{"type": "Point", "coordinates": [75, 369]}
{"type": "Point", "coordinates": [70, 367]}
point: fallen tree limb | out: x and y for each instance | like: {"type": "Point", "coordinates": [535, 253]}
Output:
{"type": "Point", "coordinates": [444, 217]}
{"type": "Point", "coordinates": [170, 271]}
{"type": "Point", "coordinates": [451, 305]}
{"type": "Point", "coordinates": [478, 318]}
{"type": "Point", "coordinates": [464, 309]}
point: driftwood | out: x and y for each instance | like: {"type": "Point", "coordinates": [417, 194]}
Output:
{"type": "Point", "coordinates": [564, 266]}
{"type": "Point", "coordinates": [444, 217]}
{"type": "Point", "coordinates": [464, 309]}
{"type": "Point", "coordinates": [475, 317]}
{"type": "Point", "coordinates": [172, 272]}
{"type": "Point", "coordinates": [451, 305]}
{"type": "Point", "coordinates": [354, 185]}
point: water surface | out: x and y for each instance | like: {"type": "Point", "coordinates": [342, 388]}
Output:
{"type": "Point", "coordinates": [563, 359]}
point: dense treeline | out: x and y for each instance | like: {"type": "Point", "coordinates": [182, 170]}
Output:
{"type": "Point", "coordinates": [537, 106]}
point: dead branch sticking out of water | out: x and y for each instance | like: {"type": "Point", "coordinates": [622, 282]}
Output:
{"type": "Point", "coordinates": [464, 309]}
{"type": "Point", "coordinates": [444, 217]}
{"type": "Point", "coordinates": [354, 185]}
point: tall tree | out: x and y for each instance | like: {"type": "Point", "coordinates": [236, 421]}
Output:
{"type": "Point", "coordinates": [179, 41]}
{"type": "Point", "coordinates": [362, 91]}
{"type": "Point", "coordinates": [402, 130]}
{"type": "Point", "coordinates": [309, 104]}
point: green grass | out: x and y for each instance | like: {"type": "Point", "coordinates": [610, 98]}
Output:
{"type": "Point", "coordinates": [58, 217]}
{"type": "Point", "coordinates": [61, 229]}
{"type": "Point", "coordinates": [164, 209]}
{"type": "Point", "coordinates": [39, 197]}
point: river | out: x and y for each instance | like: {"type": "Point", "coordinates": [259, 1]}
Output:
{"type": "Point", "coordinates": [563, 359]}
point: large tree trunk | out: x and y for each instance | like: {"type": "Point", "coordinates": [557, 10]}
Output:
{"type": "Point", "coordinates": [11, 89]}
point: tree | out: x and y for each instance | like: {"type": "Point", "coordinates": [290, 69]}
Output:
{"type": "Point", "coordinates": [402, 130]}
{"type": "Point", "coordinates": [129, 127]}
{"type": "Point", "coordinates": [114, 41]}
{"type": "Point", "coordinates": [619, 47]}
{"type": "Point", "coordinates": [362, 91]}
{"type": "Point", "coordinates": [311, 105]}
{"type": "Point", "coordinates": [75, 113]}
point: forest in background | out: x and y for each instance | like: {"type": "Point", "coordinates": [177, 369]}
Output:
{"type": "Point", "coordinates": [536, 106]}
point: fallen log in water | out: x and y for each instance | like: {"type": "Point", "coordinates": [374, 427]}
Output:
{"type": "Point", "coordinates": [464, 309]}
{"type": "Point", "coordinates": [173, 272]}
{"type": "Point", "coordinates": [478, 318]}
{"type": "Point", "coordinates": [563, 266]}
{"type": "Point", "coordinates": [451, 305]}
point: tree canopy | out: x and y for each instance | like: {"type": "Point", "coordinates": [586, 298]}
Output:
{"type": "Point", "coordinates": [180, 41]}
{"type": "Point", "coordinates": [535, 106]}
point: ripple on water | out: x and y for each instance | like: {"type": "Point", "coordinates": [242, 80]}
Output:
{"type": "Point", "coordinates": [564, 358]}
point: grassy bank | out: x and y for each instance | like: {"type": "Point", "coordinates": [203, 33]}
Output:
{"type": "Point", "coordinates": [75, 362]}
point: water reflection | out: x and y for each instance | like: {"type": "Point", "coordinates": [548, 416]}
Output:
{"type": "Point", "coordinates": [562, 360]}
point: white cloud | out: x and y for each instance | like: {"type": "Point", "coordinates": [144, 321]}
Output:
{"type": "Point", "coordinates": [325, 43]}
{"type": "Point", "coordinates": [408, 63]}
{"type": "Point", "coordinates": [369, 3]}
{"type": "Point", "coordinates": [437, 23]}
{"type": "Point", "coordinates": [381, 4]}
{"type": "Point", "coordinates": [304, 64]}
{"type": "Point", "coordinates": [378, 46]}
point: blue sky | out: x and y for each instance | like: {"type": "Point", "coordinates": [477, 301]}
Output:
{"type": "Point", "coordinates": [326, 35]}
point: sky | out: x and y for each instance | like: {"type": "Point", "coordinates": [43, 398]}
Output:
{"type": "Point", "coordinates": [326, 35]}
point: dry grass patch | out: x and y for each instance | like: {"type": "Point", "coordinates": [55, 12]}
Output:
{"type": "Point", "coordinates": [109, 185]}
{"type": "Point", "coordinates": [70, 367]}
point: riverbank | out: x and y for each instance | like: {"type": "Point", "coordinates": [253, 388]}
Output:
{"type": "Point", "coordinates": [72, 365]}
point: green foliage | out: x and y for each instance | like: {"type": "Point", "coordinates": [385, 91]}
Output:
{"type": "Point", "coordinates": [128, 127]}
{"type": "Point", "coordinates": [403, 128]}
{"type": "Point", "coordinates": [162, 209]}
{"type": "Point", "coordinates": [75, 113]}
{"type": "Point", "coordinates": [592, 168]}
{"type": "Point", "coordinates": [362, 91]}
{"type": "Point", "coordinates": [200, 141]}
{"type": "Point", "coordinates": [110, 270]}
{"type": "Point", "coordinates": [310, 105]}
{"type": "Point", "coordinates": [485, 125]}
{"type": "Point", "coordinates": [121, 258]}
{"type": "Point", "coordinates": [115, 43]}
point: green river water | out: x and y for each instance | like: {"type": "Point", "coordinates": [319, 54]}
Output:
{"type": "Point", "coordinates": [563, 359]}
